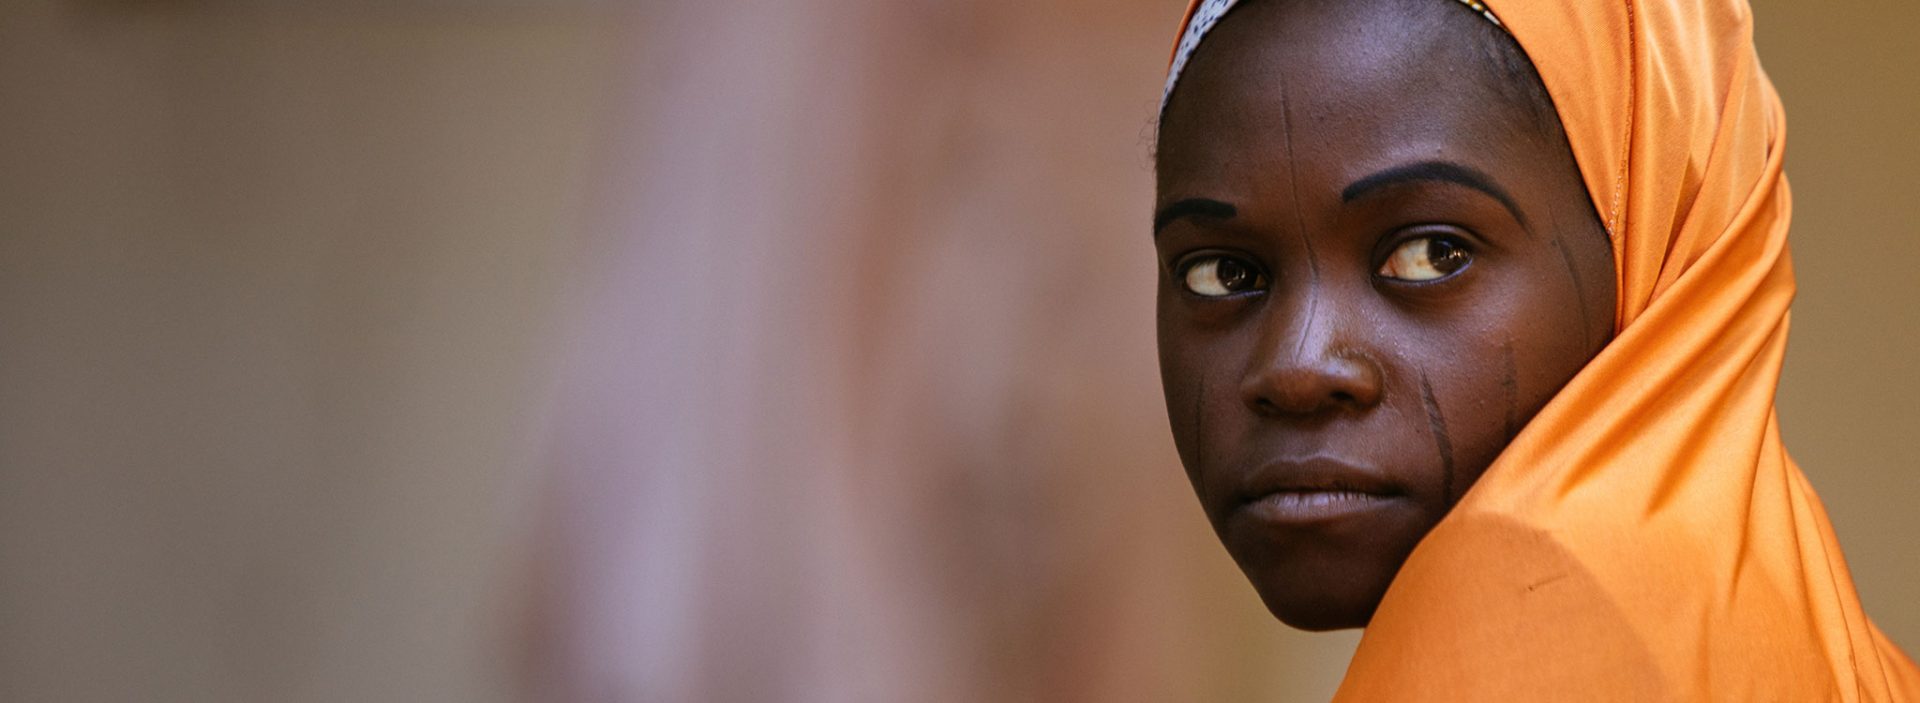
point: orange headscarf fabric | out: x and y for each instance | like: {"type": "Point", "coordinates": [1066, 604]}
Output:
{"type": "Point", "coordinates": [1646, 537]}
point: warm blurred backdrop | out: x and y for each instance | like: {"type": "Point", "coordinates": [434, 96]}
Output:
{"type": "Point", "coordinates": [798, 350]}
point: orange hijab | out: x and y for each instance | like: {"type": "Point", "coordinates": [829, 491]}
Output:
{"type": "Point", "coordinates": [1646, 537]}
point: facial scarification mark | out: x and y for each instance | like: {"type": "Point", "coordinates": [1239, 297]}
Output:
{"type": "Point", "coordinates": [1300, 222]}
{"type": "Point", "coordinates": [1510, 383]}
{"type": "Point", "coordinates": [1438, 424]}
{"type": "Point", "coordinates": [1579, 292]}
{"type": "Point", "coordinates": [1306, 329]}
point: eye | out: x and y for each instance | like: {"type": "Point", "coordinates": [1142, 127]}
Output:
{"type": "Point", "coordinates": [1216, 276]}
{"type": "Point", "coordinates": [1426, 259]}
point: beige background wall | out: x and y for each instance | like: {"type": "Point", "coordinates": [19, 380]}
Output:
{"type": "Point", "coordinates": [274, 284]}
{"type": "Point", "coordinates": [287, 294]}
{"type": "Point", "coordinates": [1850, 396]}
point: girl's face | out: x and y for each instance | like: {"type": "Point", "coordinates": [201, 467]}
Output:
{"type": "Point", "coordinates": [1377, 262]}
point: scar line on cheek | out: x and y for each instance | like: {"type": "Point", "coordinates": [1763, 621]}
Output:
{"type": "Point", "coordinates": [1579, 293]}
{"type": "Point", "coordinates": [1438, 424]}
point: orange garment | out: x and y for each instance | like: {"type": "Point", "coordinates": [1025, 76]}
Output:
{"type": "Point", "coordinates": [1646, 537]}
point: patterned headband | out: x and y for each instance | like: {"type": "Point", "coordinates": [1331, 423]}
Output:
{"type": "Point", "coordinates": [1209, 12]}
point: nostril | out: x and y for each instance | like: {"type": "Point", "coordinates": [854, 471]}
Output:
{"type": "Point", "coordinates": [1345, 398]}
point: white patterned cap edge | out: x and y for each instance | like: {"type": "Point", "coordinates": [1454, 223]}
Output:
{"type": "Point", "coordinates": [1209, 13]}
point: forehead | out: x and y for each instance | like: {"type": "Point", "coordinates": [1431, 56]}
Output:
{"type": "Point", "coordinates": [1345, 87]}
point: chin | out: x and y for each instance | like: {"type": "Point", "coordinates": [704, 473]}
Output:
{"type": "Point", "coordinates": [1319, 615]}
{"type": "Point", "coordinates": [1319, 600]}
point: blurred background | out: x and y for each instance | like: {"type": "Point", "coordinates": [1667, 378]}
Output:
{"type": "Point", "coordinates": [797, 350]}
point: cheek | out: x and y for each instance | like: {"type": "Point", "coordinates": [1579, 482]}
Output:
{"type": "Point", "coordinates": [1454, 394]}
{"type": "Point", "coordinates": [1561, 316]}
{"type": "Point", "coordinates": [1190, 362]}
{"type": "Point", "coordinates": [1203, 359]}
{"type": "Point", "coordinates": [1530, 335]}
{"type": "Point", "coordinates": [1475, 377]}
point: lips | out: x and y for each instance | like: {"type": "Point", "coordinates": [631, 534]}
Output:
{"type": "Point", "coordinates": [1314, 490]}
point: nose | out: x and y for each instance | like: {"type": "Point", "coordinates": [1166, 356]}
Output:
{"type": "Point", "coordinates": [1301, 368]}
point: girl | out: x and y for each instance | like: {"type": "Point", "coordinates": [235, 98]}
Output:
{"type": "Point", "coordinates": [1470, 322]}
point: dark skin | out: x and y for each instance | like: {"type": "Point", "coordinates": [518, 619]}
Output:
{"type": "Point", "coordinates": [1377, 262]}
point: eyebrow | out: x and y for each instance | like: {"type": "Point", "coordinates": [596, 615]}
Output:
{"type": "Point", "coordinates": [1447, 171]}
{"type": "Point", "coordinates": [1192, 207]}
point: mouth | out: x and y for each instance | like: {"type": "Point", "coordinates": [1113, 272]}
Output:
{"type": "Point", "coordinates": [1313, 491]}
